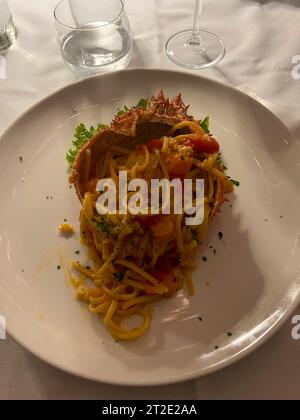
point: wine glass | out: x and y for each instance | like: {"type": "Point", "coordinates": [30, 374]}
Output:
{"type": "Point", "coordinates": [7, 28]}
{"type": "Point", "coordinates": [196, 48]}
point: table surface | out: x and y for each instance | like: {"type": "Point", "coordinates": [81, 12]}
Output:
{"type": "Point", "coordinates": [261, 37]}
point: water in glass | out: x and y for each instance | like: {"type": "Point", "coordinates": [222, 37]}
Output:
{"type": "Point", "coordinates": [108, 47]}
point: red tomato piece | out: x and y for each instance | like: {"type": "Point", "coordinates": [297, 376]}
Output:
{"type": "Point", "coordinates": [163, 228]}
{"type": "Point", "coordinates": [204, 145]}
{"type": "Point", "coordinates": [154, 144]}
{"type": "Point", "coordinates": [148, 221]}
{"type": "Point", "coordinates": [161, 274]}
{"type": "Point", "coordinates": [179, 167]}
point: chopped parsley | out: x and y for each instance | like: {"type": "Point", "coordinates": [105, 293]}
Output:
{"type": "Point", "coordinates": [103, 226]}
{"type": "Point", "coordinates": [194, 235]}
{"type": "Point", "coordinates": [81, 136]}
{"type": "Point", "coordinates": [220, 235]}
{"type": "Point", "coordinates": [220, 161]}
{"type": "Point", "coordinates": [142, 103]}
{"type": "Point", "coordinates": [204, 124]}
{"type": "Point", "coordinates": [235, 183]}
{"type": "Point", "coordinates": [119, 276]}
{"type": "Point", "coordinates": [122, 111]}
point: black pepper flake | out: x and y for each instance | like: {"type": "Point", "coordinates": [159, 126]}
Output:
{"type": "Point", "coordinates": [22, 270]}
{"type": "Point", "coordinates": [204, 258]}
{"type": "Point", "coordinates": [77, 252]}
{"type": "Point", "coordinates": [231, 206]}
{"type": "Point", "coordinates": [58, 267]}
{"type": "Point", "coordinates": [47, 198]}
{"type": "Point", "coordinates": [216, 347]}
{"type": "Point", "coordinates": [70, 186]}
{"type": "Point", "coordinates": [229, 334]}
{"type": "Point", "coordinates": [88, 267]}
{"type": "Point", "coordinates": [21, 158]}
{"type": "Point", "coordinates": [281, 217]}
{"type": "Point", "coordinates": [211, 247]}
{"type": "Point", "coordinates": [215, 251]}
{"type": "Point", "coordinates": [65, 220]}
{"type": "Point", "coordinates": [220, 235]}
{"type": "Point", "coordinates": [119, 276]}
{"type": "Point", "coordinates": [200, 319]}
{"type": "Point", "coordinates": [266, 220]}
{"type": "Point", "coordinates": [51, 197]}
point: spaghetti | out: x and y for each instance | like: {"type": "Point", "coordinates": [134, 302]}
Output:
{"type": "Point", "coordinates": [139, 259]}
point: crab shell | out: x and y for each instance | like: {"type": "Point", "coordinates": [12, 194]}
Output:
{"type": "Point", "coordinates": [137, 126]}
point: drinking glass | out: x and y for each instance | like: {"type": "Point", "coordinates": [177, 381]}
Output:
{"type": "Point", "coordinates": [196, 48]}
{"type": "Point", "coordinates": [7, 28]}
{"type": "Point", "coordinates": [94, 35]}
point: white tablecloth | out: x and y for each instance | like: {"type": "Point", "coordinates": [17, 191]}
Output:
{"type": "Point", "coordinates": [261, 37]}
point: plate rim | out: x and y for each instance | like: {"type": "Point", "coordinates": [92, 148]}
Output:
{"type": "Point", "coordinates": [181, 377]}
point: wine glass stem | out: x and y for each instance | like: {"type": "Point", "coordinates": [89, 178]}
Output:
{"type": "Point", "coordinates": [196, 39]}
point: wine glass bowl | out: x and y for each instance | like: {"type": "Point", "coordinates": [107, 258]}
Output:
{"type": "Point", "coordinates": [195, 49]}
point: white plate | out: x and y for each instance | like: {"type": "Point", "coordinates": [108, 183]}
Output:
{"type": "Point", "coordinates": [247, 289]}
